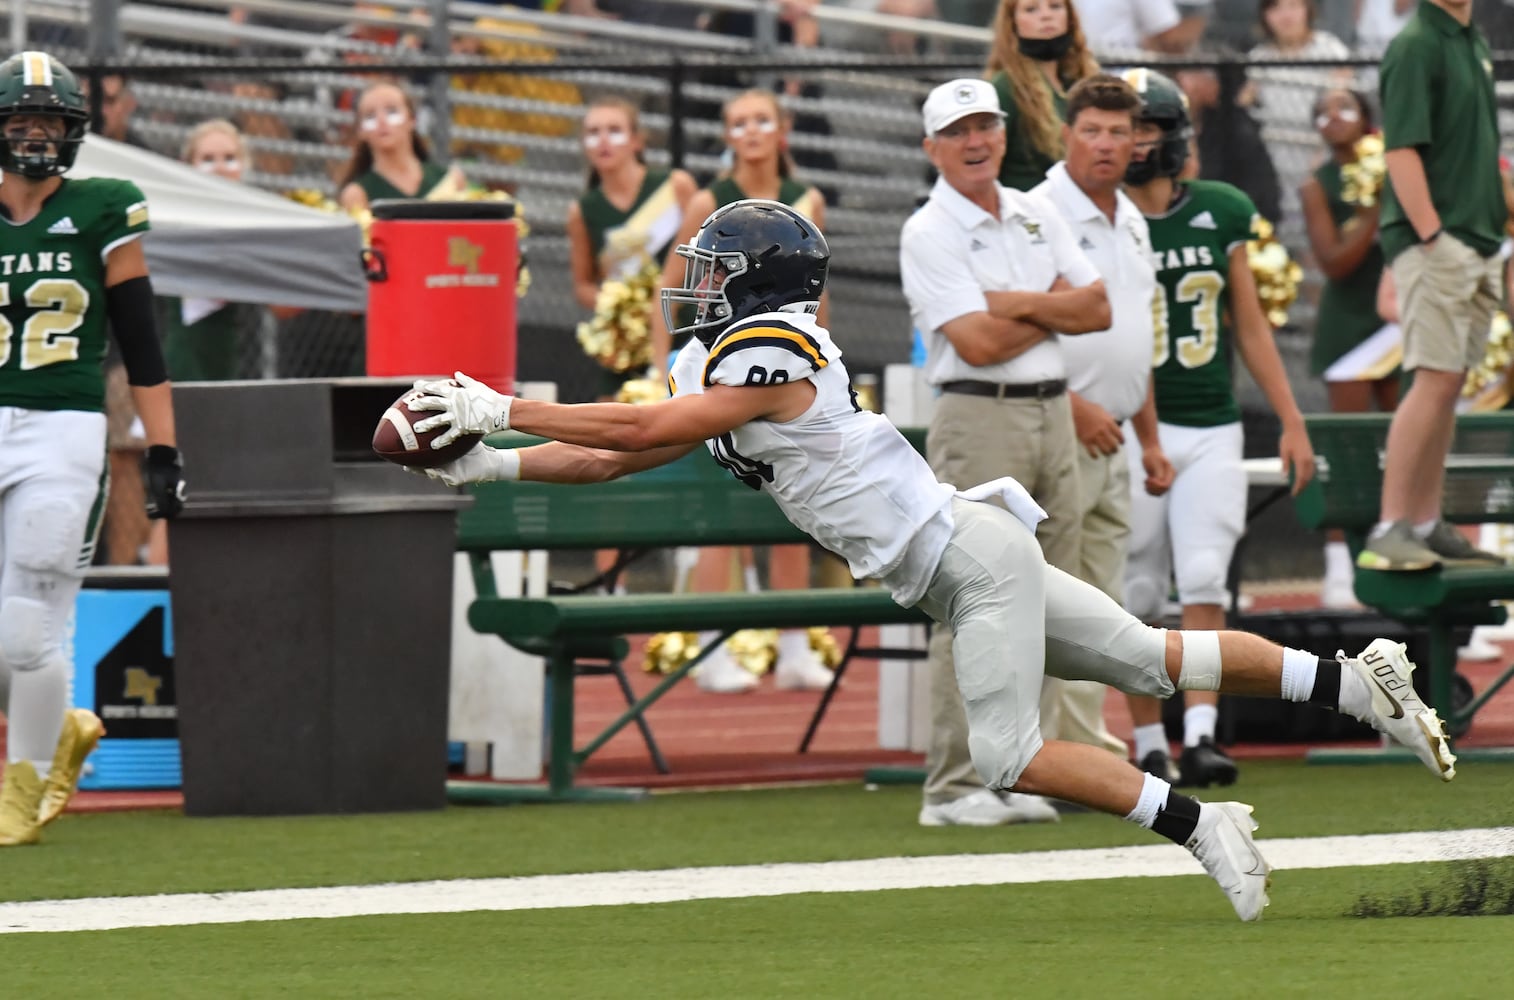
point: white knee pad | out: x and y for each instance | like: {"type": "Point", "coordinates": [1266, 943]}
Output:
{"type": "Point", "coordinates": [51, 538]}
{"type": "Point", "coordinates": [1144, 596]}
{"type": "Point", "coordinates": [1201, 662]}
{"type": "Point", "coordinates": [25, 638]}
{"type": "Point", "coordinates": [1201, 577]}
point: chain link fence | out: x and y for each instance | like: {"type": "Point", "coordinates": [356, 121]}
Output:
{"type": "Point", "coordinates": [504, 90]}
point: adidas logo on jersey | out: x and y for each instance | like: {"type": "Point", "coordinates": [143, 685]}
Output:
{"type": "Point", "coordinates": [977, 244]}
{"type": "Point", "coordinates": [1085, 243]}
{"type": "Point", "coordinates": [64, 227]}
{"type": "Point", "coordinates": [1203, 221]}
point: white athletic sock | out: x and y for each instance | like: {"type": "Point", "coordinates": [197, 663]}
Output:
{"type": "Point", "coordinates": [1148, 739]}
{"type": "Point", "coordinates": [1422, 529]}
{"type": "Point", "coordinates": [1338, 564]}
{"type": "Point", "coordinates": [750, 581]}
{"type": "Point", "coordinates": [1153, 796]}
{"type": "Point", "coordinates": [35, 716]}
{"type": "Point", "coordinates": [1299, 669]}
{"type": "Point", "coordinates": [793, 642]}
{"type": "Point", "coordinates": [1198, 722]}
{"type": "Point", "coordinates": [1380, 529]}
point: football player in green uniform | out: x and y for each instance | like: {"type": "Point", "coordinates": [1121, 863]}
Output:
{"type": "Point", "coordinates": [71, 261]}
{"type": "Point", "coordinates": [1206, 303]}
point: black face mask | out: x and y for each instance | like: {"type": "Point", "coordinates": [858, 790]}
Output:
{"type": "Point", "coordinates": [1046, 49]}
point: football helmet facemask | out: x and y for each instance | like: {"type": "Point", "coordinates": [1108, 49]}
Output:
{"type": "Point", "coordinates": [1164, 104]}
{"type": "Point", "coordinates": [34, 83]}
{"type": "Point", "coordinates": [749, 257]}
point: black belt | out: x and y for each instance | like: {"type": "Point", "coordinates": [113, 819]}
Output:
{"type": "Point", "coordinates": [1049, 389]}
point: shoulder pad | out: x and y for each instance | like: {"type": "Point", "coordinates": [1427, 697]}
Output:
{"type": "Point", "coordinates": [766, 350]}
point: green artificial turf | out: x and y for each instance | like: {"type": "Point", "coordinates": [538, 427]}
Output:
{"type": "Point", "coordinates": [1168, 938]}
{"type": "Point", "coordinates": [156, 852]}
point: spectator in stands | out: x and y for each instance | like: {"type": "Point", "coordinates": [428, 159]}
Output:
{"type": "Point", "coordinates": [1038, 53]}
{"type": "Point", "coordinates": [1378, 21]}
{"type": "Point", "coordinates": [629, 213]}
{"type": "Point", "coordinates": [1127, 26]}
{"type": "Point", "coordinates": [117, 104]}
{"type": "Point", "coordinates": [1442, 222]}
{"type": "Point", "coordinates": [1284, 97]}
{"type": "Point", "coordinates": [756, 134]}
{"type": "Point", "coordinates": [1108, 372]}
{"type": "Point", "coordinates": [991, 275]}
{"type": "Point", "coordinates": [1344, 240]}
{"type": "Point", "coordinates": [390, 158]}
{"type": "Point", "coordinates": [1229, 142]}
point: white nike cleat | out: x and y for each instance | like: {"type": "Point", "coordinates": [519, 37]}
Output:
{"type": "Point", "coordinates": [1385, 669]}
{"type": "Point", "coordinates": [719, 673]}
{"type": "Point", "coordinates": [986, 807]}
{"type": "Point", "coordinates": [1222, 843]}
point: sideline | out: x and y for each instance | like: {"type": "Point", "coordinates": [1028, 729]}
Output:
{"type": "Point", "coordinates": [626, 888]}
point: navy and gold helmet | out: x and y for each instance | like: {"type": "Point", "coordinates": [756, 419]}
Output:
{"type": "Point", "coordinates": [749, 257]}
{"type": "Point", "coordinates": [34, 83]}
{"type": "Point", "coordinates": [1163, 103]}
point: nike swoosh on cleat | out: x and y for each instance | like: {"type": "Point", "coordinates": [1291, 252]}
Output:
{"type": "Point", "coordinates": [1398, 710]}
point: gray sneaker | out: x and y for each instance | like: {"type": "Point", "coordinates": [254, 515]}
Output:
{"type": "Point", "coordinates": [1397, 550]}
{"type": "Point", "coordinates": [1453, 548]}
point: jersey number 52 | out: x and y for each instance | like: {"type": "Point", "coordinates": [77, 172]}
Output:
{"type": "Point", "coordinates": [1196, 340]}
{"type": "Point", "coordinates": [60, 305]}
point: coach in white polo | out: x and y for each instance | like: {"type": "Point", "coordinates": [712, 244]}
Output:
{"type": "Point", "coordinates": [992, 275]}
{"type": "Point", "coordinates": [1108, 373]}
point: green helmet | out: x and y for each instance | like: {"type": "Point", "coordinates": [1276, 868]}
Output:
{"type": "Point", "coordinates": [1164, 104]}
{"type": "Point", "coordinates": [34, 83]}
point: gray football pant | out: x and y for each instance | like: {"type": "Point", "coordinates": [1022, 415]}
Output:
{"type": "Point", "coordinates": [1013, 620]}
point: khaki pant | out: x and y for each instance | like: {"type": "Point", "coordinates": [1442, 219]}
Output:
{"type": "Point", "coordinates": [972, 440]}
{"type": "Point", "coordinates": [1447, 294]}
{"type": "Point", "coordinates": [1074, 710]}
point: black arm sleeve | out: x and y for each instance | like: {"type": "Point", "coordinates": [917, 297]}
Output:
{"type": "Point", "coordinates": [129, 306]}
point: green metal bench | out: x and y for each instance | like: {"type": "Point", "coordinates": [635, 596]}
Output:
{"type": "Point", "coordinates": [691, 502]}
{"type": "Point", "coordinates": [1479, 490]}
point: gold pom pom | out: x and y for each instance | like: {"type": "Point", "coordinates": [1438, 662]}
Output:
{"type": "Point", "coordinates": [1489, 383]}
{"type": "Point", "coordinates": [619, 336]}
{"type": "Point", "coordinates": [825, 646]}
{"type": "Point", "coordinates": [1362, 181]}
{"type": "Point", "coordinates": [1277, 275]}
{"type": "Point", "coordinates": [639, 391]}
{"type": "Point", "coordinates": [754, 649]}
{"type": "Point", "coordinates": [667, 651]}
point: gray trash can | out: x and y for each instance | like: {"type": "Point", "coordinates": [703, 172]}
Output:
{"type": "Point", "coordinates": [311, 589]}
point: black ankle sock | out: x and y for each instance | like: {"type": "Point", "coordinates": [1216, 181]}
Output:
{"type": "Point", "coordinates": [1177, 819]}
{"type": "Point", "coordinates": [1327, 684]}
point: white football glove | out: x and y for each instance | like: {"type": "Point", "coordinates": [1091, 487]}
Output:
{"type": "Point", "coordinates": [467, 407]}
{"type": "Point", "coordinates": [482, 464]}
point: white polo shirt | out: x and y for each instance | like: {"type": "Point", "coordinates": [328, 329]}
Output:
{"type": "Point", "coordinates": [951, 252]}
{"type": "Point", "coordinates": [1111, 367]}
{"type": "Point", "coordinates": [1124, 25]}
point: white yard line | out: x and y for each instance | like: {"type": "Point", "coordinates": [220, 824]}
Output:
{"type": "Point", "coordinates": [546, 892]}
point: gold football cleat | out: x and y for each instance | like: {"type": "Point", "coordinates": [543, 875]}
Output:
{"type": "Point", "coordinates": [82, 730]}
{"type": "Point", "coordinates": [19, 797]}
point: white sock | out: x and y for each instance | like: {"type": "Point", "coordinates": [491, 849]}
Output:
{"type": "Point", "coordinates": [1338, 564]}
{"type": "Point", "coordinates": [1154, 794]}
{"type": "Point", "coordinates": [1299, 669]}
{"type": "Point", "coordinates": [1198, 722]}
{"type": "Point", "coordinates": [1380, 529]}
{"type": "Point", "coordinates": [38, 700]}
{"type": "Point", "coordinates": [1422, 529]}
{"type": "Point", "coordinates": [1148, 739]}
{"type": "Point", "coordinates": [1356, 697]}
{"type": "Point", "coordinates": [750, 581]}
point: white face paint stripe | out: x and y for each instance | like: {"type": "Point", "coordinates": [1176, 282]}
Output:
{"type": "Point", "coordinates": [37, 68]}
{"type": "Point", "coordinates": [402, 428]}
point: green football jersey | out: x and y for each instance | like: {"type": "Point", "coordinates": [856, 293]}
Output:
{"type": "Point", "coordinates": [1191, 243]}
{"type": "Point", "coordinates": [52, 294]}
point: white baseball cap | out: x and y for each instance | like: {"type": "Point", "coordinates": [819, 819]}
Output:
{"type": "Point", "coordinates": [958, 99]}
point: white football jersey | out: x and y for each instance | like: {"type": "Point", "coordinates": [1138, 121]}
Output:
{"type": "Point", "coordinates": [843, 475]}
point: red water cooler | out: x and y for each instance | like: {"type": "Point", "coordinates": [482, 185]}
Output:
{"type": "Point", "coordinates": [441, 290]}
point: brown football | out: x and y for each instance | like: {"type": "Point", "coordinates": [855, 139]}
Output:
{"type": "Point", "coordinates": [396, 439]}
